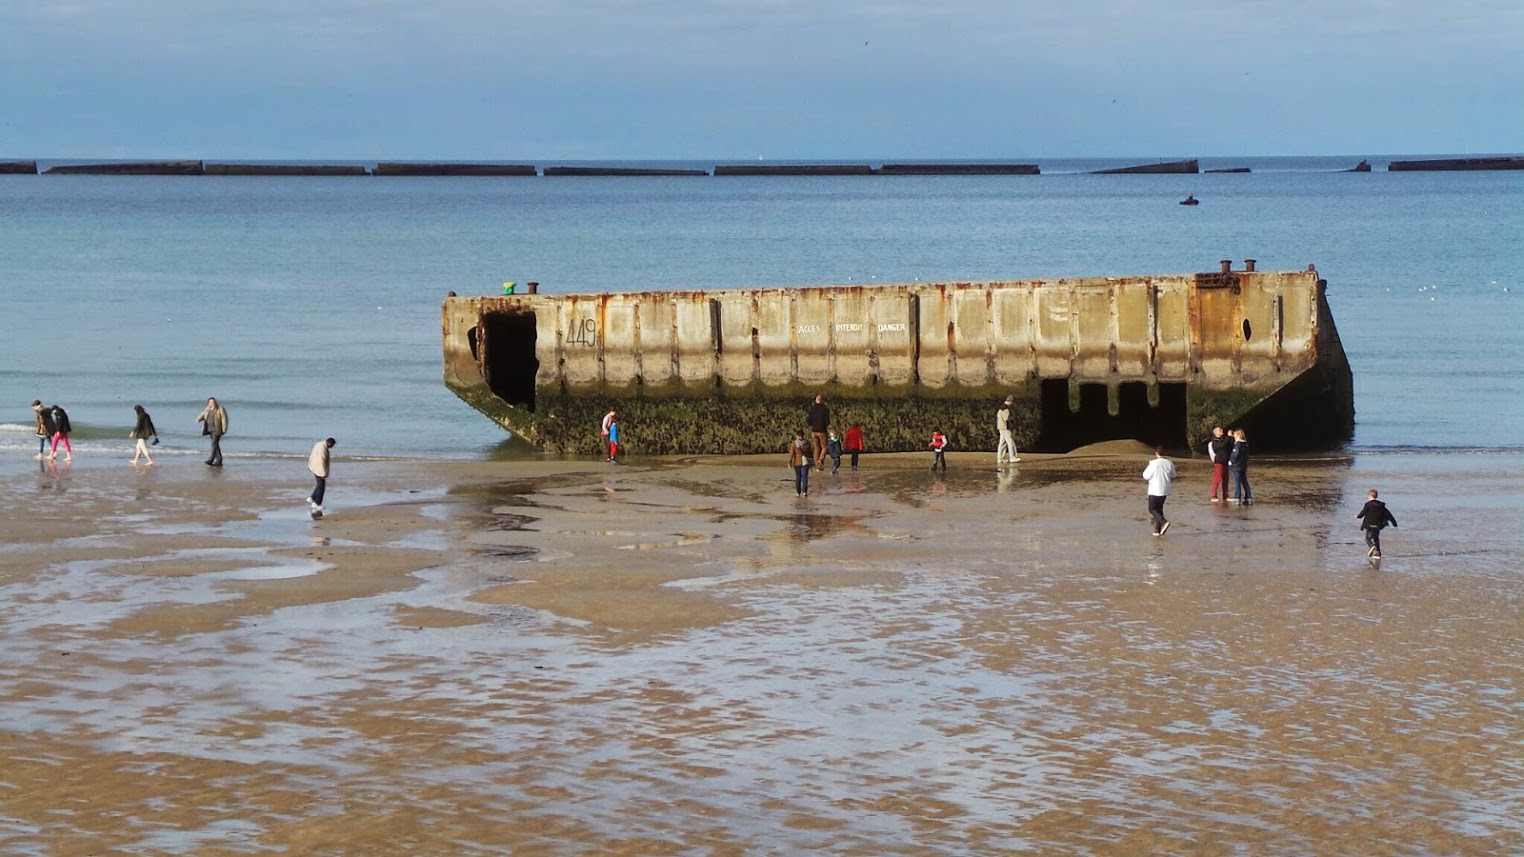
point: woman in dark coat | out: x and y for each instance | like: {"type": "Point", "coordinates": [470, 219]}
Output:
{"type": "Point", "coordinates": [142, 432]}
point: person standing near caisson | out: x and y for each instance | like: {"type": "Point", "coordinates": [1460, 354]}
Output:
{"type": "Point", "coordinates": [1005, 451]}
{"type": "Point", "coordinates": [1238, 468]}
{"type": "Point", "coordinates": [1218, 450]}
{"type": "Point", "coordinates": [820, 423]}
{"type": "Point", "coordinates": [1159, 474]}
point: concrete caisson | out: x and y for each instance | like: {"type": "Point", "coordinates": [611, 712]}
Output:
{"type": "Point", "coordinates": [1156, 358]}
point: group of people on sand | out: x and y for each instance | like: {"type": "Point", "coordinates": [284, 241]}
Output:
{"type": "Point", "coordinates": [823, 443]}
{"type": "Point", "coordinates": [53, 422]}
{"type": "Point", "coordinates": [1229, 454]}
{"type": "Point", "coordinates": [1228, 450]}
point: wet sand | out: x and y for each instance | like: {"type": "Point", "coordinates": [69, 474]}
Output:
{"type": "Point", "coordinates": [681, 657]}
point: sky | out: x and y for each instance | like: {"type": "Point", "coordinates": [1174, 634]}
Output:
{"type": "Point", "coordinates": [717, 79]}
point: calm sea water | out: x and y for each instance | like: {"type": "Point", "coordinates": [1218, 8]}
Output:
{"type": "Point", "coordinates": [310, 306]}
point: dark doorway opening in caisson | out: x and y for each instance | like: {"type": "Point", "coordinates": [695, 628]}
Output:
{"type": "Point", "coordinates": [1064, 429]}
{"type": "Point", "coordinates": [511, 365]}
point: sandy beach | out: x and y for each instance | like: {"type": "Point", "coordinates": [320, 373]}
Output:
{"type": "Point", "coordinates": [679, 656]}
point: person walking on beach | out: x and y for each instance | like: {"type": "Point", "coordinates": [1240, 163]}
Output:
{"type": "Point", "coordinates": [853, 442]}
{"type": "Point", "coordinates": [1238, 468]}
{"type": "Point", "coordinates": [603, 431]}
{"type": "Point", "coordinates": [1374, 516]}
{"type": "Point", "coordinates": [614, 440]}
{"type": "Point", "coordinates": [1005, 451]}
{"type": "Point", "coordinates": [820, 423]}
{"type": "Point", "coordinates": [938, 450]}
{"type": "Point", "coordinates": [141, 432]}
{"type": "Point", "coordinates": [1159, 474]}
{"type": "Point", "coordinates": [61, 430]}
{"type": "Point", "coordinates": [1218, 450]}
{"type": "Point", "coordinates": [45, 427]}
{"type": "Point", "coordinates": [833, 449]}
{"type": "Point", "coordinates": [214, 422]}
{"type": "Point", "coordinates": [317, 464]}
{"type": "Point", "coordinates": [799, 459]}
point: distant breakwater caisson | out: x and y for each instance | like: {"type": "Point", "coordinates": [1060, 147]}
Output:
{"type": "Point", "coordinates": [1457, 164]}
{"type": "Point", "coordinates": [1187, 166]}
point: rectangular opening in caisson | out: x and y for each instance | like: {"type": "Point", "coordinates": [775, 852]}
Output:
{"type": "Point", "coordinates": [510, 365]}
{"type": "Point", "coordinates": [1064, 429]}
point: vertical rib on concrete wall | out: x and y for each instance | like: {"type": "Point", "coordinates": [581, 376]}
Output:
{"type": "Point", "coordinates": [812, 341]}
{"type": "Point", "coordinates": [775, 338]}
{"type": "Point", "coordinates": [851, 365]}
{"type": "Point", "coordinates": [969, 338]}
{"type": "Point", "coordinates": [737, 364]}
{"type": "Point", "coordinates": [1094, 330]}
{"type": "Point", "coordinates": [655, 315]}
{"type": "Point", "coordinates": [1011, 336]}
{"type": "Point", "coordinates": [1172, 353]}
{"type": "Point", "coordinates": [894, 326]}
{"type": "Point", "coordinates": [619, 345]}
{"type": "Point", "coordinates": [1052, 331]}
{"type": "Point", "coordinates": [1134, 335]}
{"type": "Point", "coordinates": [581, 370]}
{"type": "Point", "coordinates": [934, 365]}
{"type": "Point", "coordinates": [693, 340]}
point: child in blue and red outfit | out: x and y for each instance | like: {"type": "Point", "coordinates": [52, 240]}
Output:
{"type": "Point", "coordinates": [938, 444]}
{"type": "Point", "coordinates": [614, 436]}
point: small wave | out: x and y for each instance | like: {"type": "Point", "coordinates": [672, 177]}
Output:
{"type": "Point", "coordinates": [1436, 450]}
{"type": "Point", "coordinates": [18, 428]}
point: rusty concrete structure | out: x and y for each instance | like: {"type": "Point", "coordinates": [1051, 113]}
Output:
{"type": "Point", "coordinates": [405, 168]}
{"type": "Point", "coordinates": [1156, 358]}
{"type": "Point", "coordinates": [136, 168]}
{"type": "Point", "coordinates": [1185, 167]}
{"type": "Point", "coordinates": [1509, 162]}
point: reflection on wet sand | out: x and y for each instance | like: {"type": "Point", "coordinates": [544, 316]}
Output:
{"type": "Point", "coordinates": [898, 664]}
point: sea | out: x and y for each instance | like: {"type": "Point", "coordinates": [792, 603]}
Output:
{"type": "Point", "coordinates": [310, 306]}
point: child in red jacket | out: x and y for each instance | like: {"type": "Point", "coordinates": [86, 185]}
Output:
{"type": "Point", "coordinates": [938, 444]}
{"type": "Point", "coordinates": [853, 443]}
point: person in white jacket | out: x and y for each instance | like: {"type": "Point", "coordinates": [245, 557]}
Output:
{"type": "Point", "coordinates": [1160, 473]}
{"type": "Point", "coordinates": [317, 464]}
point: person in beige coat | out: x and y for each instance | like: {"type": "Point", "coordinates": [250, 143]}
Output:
{"type": "Point", "coordinates": [214, 422]}
{"type": "Point", "coordinates": [317, 464]}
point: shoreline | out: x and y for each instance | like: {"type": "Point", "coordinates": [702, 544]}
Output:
{"type": "Point", "coordinates": [677, 654]}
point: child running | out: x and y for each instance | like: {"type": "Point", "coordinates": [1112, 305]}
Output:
{"type": "Point", "coordinates": [1374, 516]}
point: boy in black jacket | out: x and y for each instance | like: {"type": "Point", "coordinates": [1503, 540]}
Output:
{"type": "Point", "coordinates": [1374, 517]}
